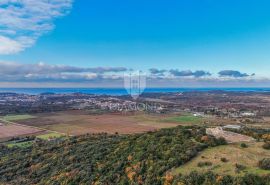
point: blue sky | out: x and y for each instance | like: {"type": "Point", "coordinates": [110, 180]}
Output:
{"type": "Point", "coordinates": [182, 35]}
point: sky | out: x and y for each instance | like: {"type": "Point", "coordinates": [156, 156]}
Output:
{"type": "Point", "coordinates": [178, 43]}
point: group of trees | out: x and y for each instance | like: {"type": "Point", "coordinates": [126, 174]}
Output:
{"type": "Point", "coordinates": [110, 159]}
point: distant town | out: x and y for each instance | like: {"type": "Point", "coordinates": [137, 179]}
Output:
{"type": "Point", "coordinates": [244, 107]}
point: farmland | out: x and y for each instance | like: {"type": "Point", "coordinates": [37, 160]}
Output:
{"type": "Point", "coordinates": [9, 130]}
{"type": "Point", "coordinates": [186, 118]}
{"type": "Point", "coordinates": [17, 117]}
{"type": "Point", "coordinates": [20, 145]}
{"type": "Point", "coordinates": [51, 135]}
{"type": "Point", "coordinates": [12, 130]}
{"type": "Point", "coordinates": [79, 122]}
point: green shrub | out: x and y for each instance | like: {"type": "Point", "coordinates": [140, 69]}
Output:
{"type": "Point", "coordinates": [239, 168]}
{"type": "Point", "coordinates": [223, 159]}
{"type": "Point", "coordinates": [264, 164]}
{"type": "Point", "coordinates": [203, 164]}
{"type": "Point", "coordinates": [266, 146]}
{"type": "Point", "coordinates": [244, 145]}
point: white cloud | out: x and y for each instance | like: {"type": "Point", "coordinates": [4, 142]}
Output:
{"type": "Point", "coordinates": [8, 45]}
{"type": "Point", "coordinates": [12, 71]}
{"type": "Point", "coordinates": [22, 22]}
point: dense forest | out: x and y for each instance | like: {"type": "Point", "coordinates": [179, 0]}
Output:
{"type": "Point", "coordinates": [115, 159]}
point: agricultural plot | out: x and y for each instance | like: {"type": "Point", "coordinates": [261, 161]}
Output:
{"type": "Point", "coordinates": [8, 129]}
{"type": "Point", "coordinates": [97, 124]}
{"type": "Point", "coordinates": [13, 130]}
{"type": "Point", "coordinates": [20, 144]}
{"type": "Point", "coordinates": [48, 136]}
{"type": "Point", "coordinates": [24, 144]}
{"type": "Point", "coordinates": [81, 122]}
{"type": "Point", "coordinates": [185, 119]}
{"type": "Point", "coordinates": [232, 154]}
{"type": "Point", "coordinates": [17, 117]}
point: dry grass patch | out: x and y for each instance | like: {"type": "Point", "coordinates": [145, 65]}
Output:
{"type": "Point", "coordinates": [233, 154]}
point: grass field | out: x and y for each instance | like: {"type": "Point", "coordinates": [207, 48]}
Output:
{"type": "Point", "coordinates": [184, 119]}
{"type": "Point", "coordinates": [248, 157]}
{"type": "Point", "coordinates": [21, 144]}
{"type": "Point", "coordinates": [48, 136]}
{"type": "Point", "coordinates": [17, 117]}
{"type": "Point", "coordinates": [153, 121]}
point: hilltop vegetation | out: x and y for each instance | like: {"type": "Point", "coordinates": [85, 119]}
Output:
{"type": "Point", "coordinates": [112, 159]}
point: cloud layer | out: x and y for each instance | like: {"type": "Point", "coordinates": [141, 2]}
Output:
{"type": "Point", "coordinates": [178, 73]}
{"type": "Point", "coordinates": [155, 71]}
{"type": "Point", "coordinates": [232, 73]}
{"type": "Point", "coordinates": [45, 75]}
{"type": "Point", "coordinates": [22, 22]}
{"type": "Point", "coordinates": [200, 73]}
{"type": "Point", "coordinates": [16, 72]}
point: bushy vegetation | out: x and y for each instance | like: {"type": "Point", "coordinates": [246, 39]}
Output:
{"type": "Point", "coordinates": [266, 146]}
{"type": "Point", "coordinates": [243, 145]}
{"type": "Point", "coordinates": [109, 159]}
{"type": "Point", "coordinates": [264, 164]}
{"type": "Point", "coordinates": [210, 178]}
{"type": "Point", "coordinates": [257, 133]}
{"type": "Point", "coordinates": [239, 168]}
{"type": "Point", "coordinates": [203, 164]}
{"type": "Point", "coordinates": [209, 140]}
{"type": "Point", "coordinates": [101, 158]}
{"type": "Point", "coordinates": [223, 159]}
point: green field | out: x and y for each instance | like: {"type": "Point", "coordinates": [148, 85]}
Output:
{"type": "Point", "coordinates": [21, 144]}
{"type": "Point", "coordinates": [48, 136]}
{"type": "Point", "coordinates": [17, 117]}
{"type": "Point", "coordinates": [247, 157]}
{"type": "Point", "coordinates": [184, 119]}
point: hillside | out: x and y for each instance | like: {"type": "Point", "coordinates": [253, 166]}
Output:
{"type": "Point", "coordinates": [112, 159]}
{"type": "Point", "coordinates": [234, 154]}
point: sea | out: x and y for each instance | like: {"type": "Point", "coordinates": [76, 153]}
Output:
{"type": "Point", "coordinates": [121, 91]}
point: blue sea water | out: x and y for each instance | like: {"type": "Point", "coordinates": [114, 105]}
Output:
{"type": "Point", "coordinates": [121, 91]}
